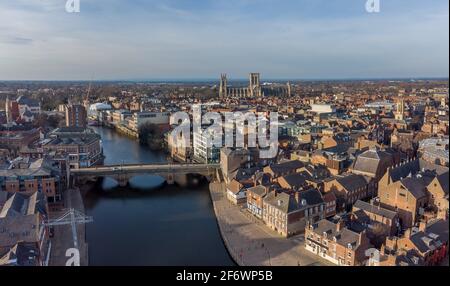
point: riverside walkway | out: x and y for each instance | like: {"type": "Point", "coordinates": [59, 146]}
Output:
{"type": "Point", "coordinates": [251, 243]}
{"type": "Point", "coordinates": [63, 238]}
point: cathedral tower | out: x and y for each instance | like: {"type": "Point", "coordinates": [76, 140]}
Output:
{"type": "Point", "coordinates": [255, 85]}
{"type": "Point", "coordinates": [223, 86]}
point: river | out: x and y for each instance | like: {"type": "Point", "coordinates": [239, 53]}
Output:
{"type": "Point", "coordinates": [149, 222]}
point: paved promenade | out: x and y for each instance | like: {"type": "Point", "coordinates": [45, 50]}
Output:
{"type": "Point", "coordinates": [251, 243]}
{"type": "Point", "coordinates": [63, 238]}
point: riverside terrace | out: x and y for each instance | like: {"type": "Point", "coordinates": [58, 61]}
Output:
{"type": "Point", "coordinates": [123, 173]}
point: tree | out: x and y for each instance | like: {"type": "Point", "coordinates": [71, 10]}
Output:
{"type": "Point", "coordinates": [151, 135]}
{"type": "Point", "coordinates": [47, 121]}
{"type": "Point", "coordinates": [378, 234]}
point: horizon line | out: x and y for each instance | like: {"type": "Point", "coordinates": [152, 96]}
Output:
{"type": "Point", "coordinates": [210, 79]}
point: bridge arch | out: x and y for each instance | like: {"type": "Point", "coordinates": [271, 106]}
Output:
{"type": "Point", "coordinates": [172, 173]}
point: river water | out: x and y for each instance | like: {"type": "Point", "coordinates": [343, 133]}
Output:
{"type": "Point", "coordinates": [149, 222]}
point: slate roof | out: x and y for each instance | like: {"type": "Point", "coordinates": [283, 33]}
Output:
{"type": "Point", "coordinates": [22, 100]}
{"type": "Point", "coordinates": [21, 254]}
{"type": "Point", "coordinates": [24, 204]}
{"type": "Point", "coordinates": [424, 243]}
{"type": "Point", "coordinates": [352, 182]}
{"type": "Point", "coordinates": [27, 113]}
{"type": "Point", "coordinates": [74, 140]}
{"type": "Point", "coordinates": [3, 197]}
{"type": "Point", "coordinates": [246, 173]}
{"type": "Point", "coordinates": [414, 167]}
{"type": "Point", "coordinates": [297, 180]}
{"type": "Point", "coordinates": [439, 227]}
{"type": "Point", "coordinates": [343, 237]}
{"type": "Point", "coordinates": [414, 186]}
{"type": "Point", "coordinates": [312, 197]}
{"type": "Point", "coordinates": [338, 149]}
{"type": "Point", "coordinates": [281, 201]}
{"type": "Point", "coordinates": [374, 209]}
{"type": "Point", "coordinates": [258, 190]}
{"type": "Point", "coordinates": [286, 167]}
{"type": "Point", "coordinates": [20, 228]}
{"type": "Point", "coordinates": [262, 178]}
{"type": "Point", "coordinates": [31, 172]}
{"type": "Point", "coordinates": [443, 180]}
{"type": "Point", "coordinates": [405, 170]}
{"type": "Point", "coordinates": [369, 161]}
{"type": "Point", "coordinates": [287, 203]}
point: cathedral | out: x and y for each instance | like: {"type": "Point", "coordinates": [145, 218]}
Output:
{"type": "Point", "coordinates": [254, 89]}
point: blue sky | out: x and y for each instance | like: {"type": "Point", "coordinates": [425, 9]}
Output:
{"type": "Point", "coordinates": [155, 39]}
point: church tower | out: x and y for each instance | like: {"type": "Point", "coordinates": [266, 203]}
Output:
{"type": "Point", "coordinates": [399, 114]}
{"type": "Point", "coordinates": [223, 87]}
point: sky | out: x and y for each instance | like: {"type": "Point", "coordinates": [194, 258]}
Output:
{"type": "Point", "coordinates": [199, 39]}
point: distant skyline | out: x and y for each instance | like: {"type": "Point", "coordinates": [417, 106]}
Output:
{"type": "Point", "coordinates": [199, 39]}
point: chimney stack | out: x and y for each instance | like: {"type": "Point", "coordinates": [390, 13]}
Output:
{"type": "Point", "coordinates": [360, 237]}
{"type": "Point", "coordinates": [339, 225]}
{"type": "Point", "coordinates": [422, 226]}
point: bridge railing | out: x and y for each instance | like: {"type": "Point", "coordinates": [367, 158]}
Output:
{"type": "Point", "coordinates": [130, 167]}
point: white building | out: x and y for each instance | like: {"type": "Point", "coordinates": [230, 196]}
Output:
{"type": "Point", "coordinates": [323, 108]}
{"type": "Point", "coordinates": [97, 108]}
{"type": "Point", "coordinates": [156, 118]}
{"type": "Point", "coordinates": [203, 153]}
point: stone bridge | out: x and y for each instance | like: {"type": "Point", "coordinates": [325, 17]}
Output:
{"type": "Point", "coordinates": [123, 173]}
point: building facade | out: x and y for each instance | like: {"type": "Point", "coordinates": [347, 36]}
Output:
{"type": "Point", "coordinates": [76, 115]}
{"type": "Point", "coordinates": [336, 243]}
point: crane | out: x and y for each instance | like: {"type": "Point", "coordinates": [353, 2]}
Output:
{"type": "Point", "coordinates": [72, 217]}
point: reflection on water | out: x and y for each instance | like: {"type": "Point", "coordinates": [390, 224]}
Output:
{"type": "Point", "coordinates": [149, 222]}
{"type": "Point", "coordinates": [143, 182]}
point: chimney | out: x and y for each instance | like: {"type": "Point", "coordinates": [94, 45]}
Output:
{"type": "Point", "coordinates": [339, 225]}
{"type": "Point", "coordinates": [360, 237]}
{"type": "Point", "coordinates": [422, 226]}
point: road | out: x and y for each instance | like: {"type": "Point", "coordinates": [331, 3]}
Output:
{"type": "Point", "coordinates": [145, 168]}
{"type": "Point", "coordinates": [251, 243]}
{"type": "Point", "coordinates": [63, 238]}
